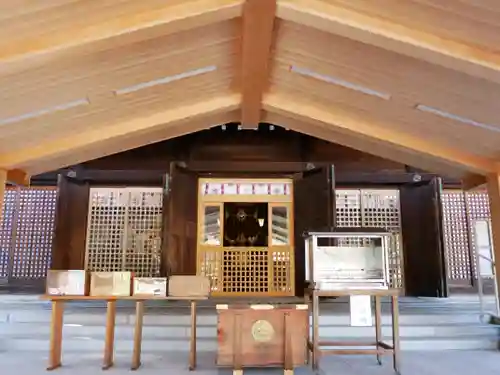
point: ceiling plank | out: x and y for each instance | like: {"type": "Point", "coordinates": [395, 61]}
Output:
{"type": "Point", "coordinates": [122, 130]}
{"type": "Point", "coordinates": [116, 145]}
{"type": "Point", "coordinates": [291, 106]}
{"type": "Point", "coordinates": [365, 145]}
{"type": "Point", "coordinates": [394, 37]}
{"type": "Point", "coordinates": [257, 38]}
{"type": "Point", "coordinates": [187, 15]}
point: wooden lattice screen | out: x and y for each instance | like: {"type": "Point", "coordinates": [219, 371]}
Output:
{"type": "Point", "coordinates": [460, 209]}
{"type": "Point", "coordinates": [374, 208]}
{"type": "Point", "coordinates": [26, 234]}
{"type": "Point", "coordinates": [124, 230]}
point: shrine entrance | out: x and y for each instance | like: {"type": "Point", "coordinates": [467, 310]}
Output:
{"type": "Point", "coordinates": [245, 236]}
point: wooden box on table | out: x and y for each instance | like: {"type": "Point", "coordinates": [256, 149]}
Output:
{"type": "Point", "coordinates": [67, 283]}
{"type": "Point", "coordinates": [188, 286]}
{"type": "Point", "coordinates": [150, 286]}
{"type": "Point", "coordinates": [117, 284]}
{"type": "Point", "coordinates": [262, 335]}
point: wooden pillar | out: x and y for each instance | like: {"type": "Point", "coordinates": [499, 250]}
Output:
{"type": "Point", "coordinates": [494, 196]}
{"type": "Point", "coordinates": [3, 181]}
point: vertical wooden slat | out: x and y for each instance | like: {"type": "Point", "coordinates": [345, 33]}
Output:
{"type": "Point", "coordinates": [61, 226]}
{"type": "Point", "coordinates": [494, 198]}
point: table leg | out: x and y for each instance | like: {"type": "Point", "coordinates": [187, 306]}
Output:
{"type": "Point", "coordinates": [139, 314]}
{"type": "Point", "coordinates": [110, 335]}
{"type": "Point", "coordinates": [56, 328]}
{"type": "Point", "coordinates": [395, 332]}
{"type": "Point", "coordinates": [192, 348]}
{"type": "Point", "coordinates": [307, 301]}
{"type": "Point", "coordinates": [378, 326]}
{"type": "Point", "coordinates": [237, 354]}
{"type": "Point", "coordinates": [287, 350]}
{"type": "Point", "coordinates": [315, 322]}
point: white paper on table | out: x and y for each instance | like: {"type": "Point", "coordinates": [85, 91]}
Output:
{"type": "Point", "coordinates": [361, 311]}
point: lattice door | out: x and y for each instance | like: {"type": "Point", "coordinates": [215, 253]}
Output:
{"type": "Point", "coordinates": [374, 208]}
{"type": "Point", "coordinates": [26, 234]}
{"type": "Point", "coordinates": [34, 233]}
{"type": "Point", "coordinates": [124, 230]}
{"type": "Point", "coordinates": [456, 236]}
{"type": "Point", "coordinates": [6, 232]}
{"type": "Point", "coordinates": [478, 207]}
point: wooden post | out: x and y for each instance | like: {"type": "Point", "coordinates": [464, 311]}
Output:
{"type": "Point", "coordinates": [56, 328]}
{"type": "Point", "coordinates": [3, 181]}
{"type": "Point", "coordinates": [315, 330]}
{"type": "Point", "coordinates": [494, 197]}
{"type": "Point", "coordinates": [139, 315]}
{"type": "Point", "coordinates": [192, 346]}
{"type": "Point", "coordinates": [395, 332]}
{"type": "Point", "coordinates": [378, 327]}
{"type": "Point", "coordinates": [110, 335]}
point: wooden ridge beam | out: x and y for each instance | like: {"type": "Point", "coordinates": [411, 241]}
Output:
{"type": "Point", "coordinates": [257, 38]}
{"type": "Point", "coordinates": [394, 37]}
{"type": "Point", "coordinates": [369, 133]}
{"type": "Point", "coordinates": [99, 139]}
{"type": "Point", "coordinates": [175, 18]}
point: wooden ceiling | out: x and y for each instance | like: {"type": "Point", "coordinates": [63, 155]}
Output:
{"type": "Point", "coordinates": [415, 81]}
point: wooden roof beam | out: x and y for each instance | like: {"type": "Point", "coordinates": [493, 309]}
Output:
{"type": "Point", "coordinates": [18, 177]}
{"type": "Point", "coordinates": [100, 137]}
{"type": "Point", "coordinates": [257, 38]}
{"type": "Point", "coordinates": [391, 36]}
{"type": "Point", "coordinates": [174, 18]}
{"type": "Point", "coordinates": [291, 106]}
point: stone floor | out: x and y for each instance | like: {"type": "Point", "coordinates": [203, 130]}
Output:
{"type": "Point", "coordinates": [413, 363]}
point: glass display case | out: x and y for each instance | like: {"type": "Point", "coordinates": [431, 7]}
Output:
{"type": "Point", "coordinates": [348, 258]}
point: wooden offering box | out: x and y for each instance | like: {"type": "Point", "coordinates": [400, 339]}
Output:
{"type": "Point", "coordinates": [262, 335]}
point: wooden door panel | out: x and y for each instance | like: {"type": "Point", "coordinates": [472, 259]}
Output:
{"type": "Point", "coordinates": [313, 210]}
{"type": "Point", "coordinates": [421, 224]}
{"type": "Point", "coordinates": [180, 226]}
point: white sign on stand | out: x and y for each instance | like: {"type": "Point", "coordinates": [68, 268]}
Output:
{"type": "Point", "coordinates": [361, 311]}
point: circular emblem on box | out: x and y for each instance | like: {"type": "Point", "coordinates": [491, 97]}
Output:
{"type": "Point", "coordinates": [262, 331]}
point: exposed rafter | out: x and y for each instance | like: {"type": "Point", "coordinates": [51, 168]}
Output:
{"type": "Point", "coordinates": [18, 177]}
{"type": "Point", "coordinates": [391, 36]}
{"type": "Point", "coordinates": [174, 18]}
{"type": "Point", "coordinates": [296, 108]}
{"type": "Point", "coordinates": [257, 38]}
{"type": "Point", "coordinates": [102, 137]}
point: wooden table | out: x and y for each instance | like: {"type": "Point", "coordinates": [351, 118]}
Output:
{"type": "Point", "coordinates": [56, 327]}
{"type": "Point", "coordinates": [380, 348]}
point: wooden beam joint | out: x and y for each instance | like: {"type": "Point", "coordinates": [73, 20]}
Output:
{"type": "Point", "coordinates": [17, 177]}
{"type": "Point", "coordinates": [257, 39]}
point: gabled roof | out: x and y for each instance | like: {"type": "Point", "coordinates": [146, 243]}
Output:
{"type": "Point", "coordinates": [416, 81]}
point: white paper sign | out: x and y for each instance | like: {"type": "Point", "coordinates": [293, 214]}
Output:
{"type": "Point", "coordinates": [484, 247]}
{"type": "Point", "coordinates": [361, 311]}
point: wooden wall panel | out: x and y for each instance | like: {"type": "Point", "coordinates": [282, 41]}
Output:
{"type": "Point", "coordinates": [422, 229]}
{"type": "Point", "coordinates": [314, 205]}
{"type": "Point", "coordinates": [71, 224]}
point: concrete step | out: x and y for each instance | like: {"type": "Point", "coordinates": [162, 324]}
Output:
{"type": "Point", "coordinates": [95, 345]}
{"type": "Point", "coordinates": [207, 316]}
{"type": "Point", "coordinates": [167, 331]}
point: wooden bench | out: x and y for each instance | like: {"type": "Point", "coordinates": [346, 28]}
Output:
{"type": "Point", "coordinates": [56, 327]}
